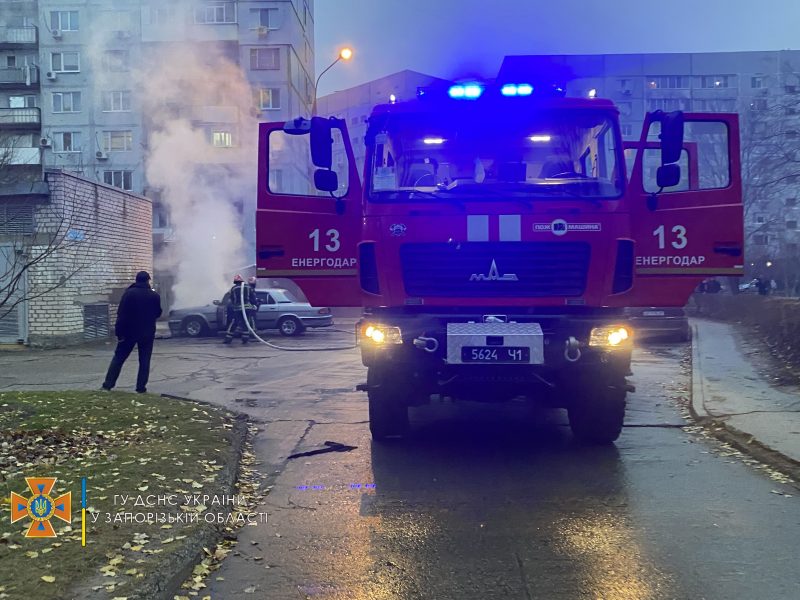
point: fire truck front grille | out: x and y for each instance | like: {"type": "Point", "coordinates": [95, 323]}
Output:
{"type": "Point", "coordinates": [495, 269]}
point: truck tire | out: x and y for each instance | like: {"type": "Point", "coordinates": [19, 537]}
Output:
{"type": "Point", "coordinates": [388, 410]}
{"type": "Point", "coordinates": [596, 416]}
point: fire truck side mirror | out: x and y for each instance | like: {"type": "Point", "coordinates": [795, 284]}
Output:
{"type": "Point", "coordinates": [325, 180]}
{"type": "Point", "coordinates": [321, 143]}
{"type": "Point", "coordinates": [668, 175]}
{"type": "Point", "coordinates": [671, 137]}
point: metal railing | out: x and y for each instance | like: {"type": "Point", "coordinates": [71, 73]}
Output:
{"type": "Point", "coordinates": [20, 116]}
{"type": "Point", "coordinates": [21, 75]}
{"type": "Point", "coordinates": [18, 35]}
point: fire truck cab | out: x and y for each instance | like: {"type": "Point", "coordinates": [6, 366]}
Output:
{"type": "Point", "coordinates": [496, 235]}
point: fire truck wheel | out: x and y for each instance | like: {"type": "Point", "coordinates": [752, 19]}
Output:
{"type": "Point", "coordinates": [388, 412]}
{"type": "Point", "coordinates": [596, 415]}
{"type": "Point", "coordinates": [290, 326]}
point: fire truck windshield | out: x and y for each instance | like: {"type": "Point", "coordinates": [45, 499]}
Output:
{"type": "Point", "coordinates": [561, 154]}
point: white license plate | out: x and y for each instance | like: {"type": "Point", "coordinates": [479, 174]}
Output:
{"type": "Point", "coordinates": [653, 313]}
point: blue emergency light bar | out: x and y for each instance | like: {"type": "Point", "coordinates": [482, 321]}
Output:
{"type": "Point", "coordinates": [475, 90]}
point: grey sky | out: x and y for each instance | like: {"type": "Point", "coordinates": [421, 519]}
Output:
{"type": "Point", "coordinates": [470, 37]}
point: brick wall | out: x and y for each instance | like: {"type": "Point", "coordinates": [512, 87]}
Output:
{"type": "Point", "coordinates": [103, 237]}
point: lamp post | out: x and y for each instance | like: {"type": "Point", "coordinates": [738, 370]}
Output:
{"type": "Point", "coordinates": [344, 54]}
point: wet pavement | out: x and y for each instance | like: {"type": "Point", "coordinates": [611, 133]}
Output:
{"type": "Point", "coordinates": [481, 501]}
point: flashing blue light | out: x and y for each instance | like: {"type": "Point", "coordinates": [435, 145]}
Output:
{"type": "Point", "coordinates": [456, 91]}
{"type": "Point", "coordinates": [469, 90]}
{"type": "Point", "coordinates": [509, 89]}
{"type": "Point", "coordinates": [473, 91]}
{"type": "Point", "coordinates": [512, 89]}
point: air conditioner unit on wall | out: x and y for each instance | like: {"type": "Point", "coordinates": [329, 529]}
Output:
{"type": "Point", "coordinates": [56, 33]}
{"type": "Point", "coordinates": [100, 155]}
{"type": "Point", "coordinates": [44, 142]}
{"type": "Point", "coordinates": [51, 75]}
{"type": "Point", "coordinates": [262, 31]}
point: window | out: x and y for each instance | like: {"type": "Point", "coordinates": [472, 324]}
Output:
{"type": "Point", "coordinates": [120, 179]}
{"type": "Point", "coordinates": [791, 224]}
{"type": "Point", "coordinates": [758, 104]}
{"type": "Point", "coordinates": [222, 139]}
{"type": "Point", "coordinates": [668, 82]}
{"type": "Point", "coordinates": [65, 62]}
{"type": "Point", "coordinates": [67, 141]}
{"type": "Point", "coordinates": [64, 20]}
{"type": "Point", "coordinates": [761, 219]}
{"type": "Point", "coordinates": [162, 15]}
{"type": "Point", "coordinates": [66, 102]}
{"type": "Point", "coordinates": [28, 101]}
{"type": "Point", "coordinates": [624, 86]}
{"type": "Point", "coordinates": [627, 130]}
{"type": "Point", "coordinates": [625, 108]}
{"type": "Point", "coordinates": [265, 59]}
{"type": "Point", "coordinates": [215, 12]}
{"type": "Point", "coordinates": [716, 81]}
{"type": "Point", "coordinates": [116, 60]}
{"type": "Point", "coordinates": [757, 82]}
{"type": "Point", "coordinates": [269, 98]}
{"type": "Point", "coordinates": [791, 202]}
{"type": "Point", "coordinates": [266, 17]}
{"type": "Point", "coordinates": [667, 104]}
{"type": "Point", "coordinates": [117, 101]}
{"type": "Point", "coordinates": [718, 105]}
{"type": "Point", "coordinates": [760, 240]}
{"type": "Point", "coordinates": [11, 61]}
{"type": "Point", "coordinates": [276, 179]}
{"type": "Point", "coordinates": [117, 141]}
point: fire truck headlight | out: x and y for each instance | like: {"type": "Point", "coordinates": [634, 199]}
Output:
{"type": "Point", "coordinates": [382, 335]}
{"type": "Point", "coordinates": [614, 336]}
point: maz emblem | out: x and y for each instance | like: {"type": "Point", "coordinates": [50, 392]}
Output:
{"type": "Point", "coordinates": [494, 275]}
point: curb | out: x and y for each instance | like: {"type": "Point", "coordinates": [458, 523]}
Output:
{"type": "Point", "coordinates": [165, 582]}
{"type": "Point", "coordinates": [697, 406]}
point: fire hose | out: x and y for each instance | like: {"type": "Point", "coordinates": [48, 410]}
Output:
{"type": "Point", "coordinates": [275, 346]}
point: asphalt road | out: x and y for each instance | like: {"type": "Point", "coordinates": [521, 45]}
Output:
{"type": "Point", "coordinates": [482, 501]}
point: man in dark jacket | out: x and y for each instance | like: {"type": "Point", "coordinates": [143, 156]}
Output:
{"type": "Point", "coordinates": [138, 311]}
{"type": "Point", "coordinates": [241, 296]}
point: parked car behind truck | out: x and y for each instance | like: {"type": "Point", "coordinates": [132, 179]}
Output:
{"type": "Point", "coordinates": [278, 309]}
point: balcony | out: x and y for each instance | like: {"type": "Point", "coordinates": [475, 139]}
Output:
{"type": "Point", "coordinates": [13, 38]}
{"type": "Point", "coordinates": [20, 118]}
{"type": "Point", "coordinates": [19, 77]}
{"type": "Point", "coordinates": [11, 156]}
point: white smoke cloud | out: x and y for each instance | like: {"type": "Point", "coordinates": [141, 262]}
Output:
{"type": "Point", "coordinates": [182, 88]}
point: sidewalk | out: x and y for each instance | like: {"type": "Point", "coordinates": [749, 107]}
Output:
{"type": "Point", "coordinates": [727, 389]}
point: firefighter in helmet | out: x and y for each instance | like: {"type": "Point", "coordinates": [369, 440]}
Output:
{"type": "Point", "coordinates": [240, 295]}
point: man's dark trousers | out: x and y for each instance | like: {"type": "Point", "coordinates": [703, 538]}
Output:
{"type": "Point", "coordinates": [121, 354]}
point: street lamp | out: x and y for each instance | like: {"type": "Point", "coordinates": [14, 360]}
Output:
{"type": "Point", "coordinates": [344, 54]}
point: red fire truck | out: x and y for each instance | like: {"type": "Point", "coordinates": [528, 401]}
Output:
{"type": "Point", "coordinates": [495, 237]}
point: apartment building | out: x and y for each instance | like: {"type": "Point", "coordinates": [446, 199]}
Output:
{"type": "Point", "coordinates": [92, 54]}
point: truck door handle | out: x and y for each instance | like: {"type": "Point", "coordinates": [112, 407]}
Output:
{"type": "Point", "coordinates": [270, 251]}
{"type": "Point", "coordinates": [729, 249]}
